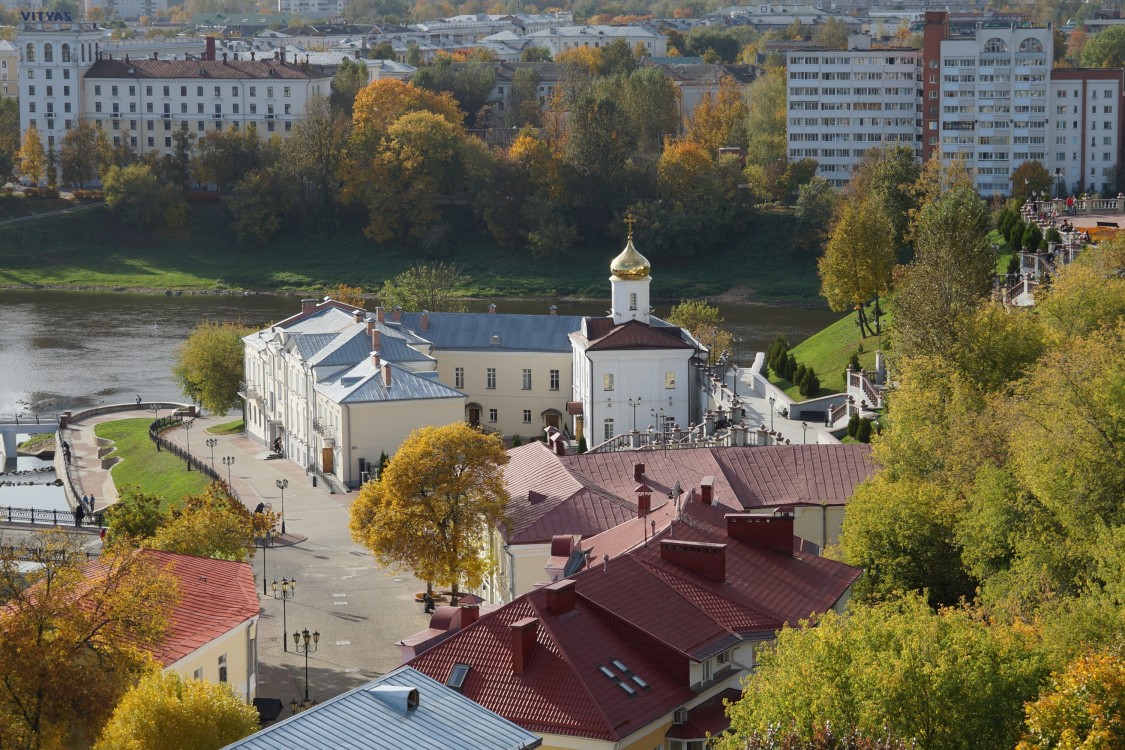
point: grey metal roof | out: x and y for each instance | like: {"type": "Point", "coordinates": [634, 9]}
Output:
{"type": "Point", "coordinates": [363, 383]}
{"type": "Point", "coordinates": [347, 349]}
{"type": "Point", "coordinates": [309, 344]}
{"type": "Point", "coordinates": [475, 331]}
{"type": "Point", "coordinates": [358, 718]}
{"type": "Point", "coordinates": [396, 350]}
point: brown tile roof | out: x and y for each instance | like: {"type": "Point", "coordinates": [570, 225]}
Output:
{"type": "Point", "coordinates": [202, 69]}
{"type": "Point", "coordinates": [651, 615]}
{"type": "Point", "coordinates": [633, 334]}
{"type": "Point", "coordinates": [591, 493]}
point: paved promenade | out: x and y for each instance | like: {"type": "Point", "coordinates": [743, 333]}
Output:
{"type": "Point", "coordinates": [359, 608]}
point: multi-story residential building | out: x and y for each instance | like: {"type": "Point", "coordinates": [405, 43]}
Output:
{"type": "Point", "coordinates": [1085, 125]}
{"type": "Point", "coordinates": [53, 57]}
{"type": "Point", "coordinates": [842, 103]}
{"type": "Point", "coordinates": [988, 96]}
{"type": "Point", "coordinates": [9, 69]}
{"type": "Point", "coordinates": [146, 100]}
{"type": "Point", "coordinates": [311, 8]}
{"type": "Point", "coordinates": [129, 9]}
{"type": "Point", "coordinates": [561, 38]}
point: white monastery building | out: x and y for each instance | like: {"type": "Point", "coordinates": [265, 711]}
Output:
{"type": "Point", "coordinates": [339, 386]}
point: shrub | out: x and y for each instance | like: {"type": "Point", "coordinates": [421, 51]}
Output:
{"type": "Point", "coordinates": [517, 441]}
{"type": "Point", "coordinates": [799, 377]}
{"type": "Point", "coordinates": [790, 368]}
{"type": "Point", "coordinates": [863, 431]}
{"type": "Point", "coordinates": [775, 357]}
{"type": "Point", "coordinates": [1032, 237]}
{"type": "Point", "coordinates": [1014, 264]}
{"type": "Point", "coordinates": [38, 192]}
{"type": "Point", "coordinates": [582, 444]}
{"type": "Point", "coordinates": [853, 425]}
{"type": "Point", "coordinates": [1053, 235]}
{"type": "Point", "coordinates": [88, 195]}
{"type": "Point", "coordinates": [810, 385]}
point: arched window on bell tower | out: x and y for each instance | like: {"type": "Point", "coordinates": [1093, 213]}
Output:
{"type": "Point", "coordinates": [632, 300]}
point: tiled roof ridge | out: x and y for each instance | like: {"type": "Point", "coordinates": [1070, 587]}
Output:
{"type": "Point", "coordinates": [320, 306]}
{"type": "Point", "coordinates": [615, 616]}
{"type": "Point", "coordinates": [563, 654]}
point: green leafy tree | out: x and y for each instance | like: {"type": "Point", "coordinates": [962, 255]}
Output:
{"type": "Point", "coordinates": [350, 77]}
{"type": "Point", "coordinates": [315, 151]}
{"type": "Point", "coordinates": [1083, 707]}
{"type": "Point", "coordinates": [135, 195]}
{"type": "Point", "coordinates": [945, 680]}
{"type": "Point", "coordinates": [1106, 49]}
{"type": "Point", "coordinates": [209, 365]}
{"type": "Point", "coordinates": [724, 46]}
{"type": "Point", "coordinates": [426, 286]}
{"type": "Point", "coordinates": [953, 262]}
{"type": "Point", "coordinates": [523, 99]}
{"type": "Point", "coordinates": [705, 323]}
{"type": "Point", "coordinates": [889, 175]}
{"type": "Point", "coordinates": [766, 121]}
{"type": "Point", "coordinates": [816, 205]}
{"type": "Point", "coordinates": [470, 84]}
{"type": "Point", "coordinates": [382, 51]}
{"type": "Point", "coordinates": [134, 517]}
{"type": "Point", "coordinates": [650, 104]}
{"type": "Point", "coordinates": [75, 638]}
{"type": "Point", "coordinates": [223, 157]}
{"type": "Point", "coordinates": [78, 156]}
{"type": "Point", "coordinates": [165, 711]}
{"type": "Point", "coordinates": [832, 34]}
{"type": "Point", "coordinates": [9, 137]}
{"type": "Point", "coordinates": [434, 506]}
{"type": "Point", "coordinates": [262, 203]}
{"type": "Point", "coordinates": [618, 59]}
{"type": "Point", "coordinates": [535, 55]}
{"type": "Point", "coordinates": [1029, 178]}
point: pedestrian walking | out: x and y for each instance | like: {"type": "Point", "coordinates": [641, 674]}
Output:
{"type": "Point", "coordinates": [85, 500]}
{"type": "Point", "coordinates": [138, 399]}
{"type": "Point", "coordinates": [79, 514]}
{"type": "Point", "coordinates": [428, 604]}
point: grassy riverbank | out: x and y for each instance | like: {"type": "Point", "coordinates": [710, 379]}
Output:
{"type": "Point", "coordinates": [157, 472]}
{"type": "Point", "coordinates": [91, 250]}
{"type": "Point", "coordinates": [830, 350]}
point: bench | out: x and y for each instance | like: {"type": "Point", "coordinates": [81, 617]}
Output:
{"type": "Point", "coordinates": [1107, 224]}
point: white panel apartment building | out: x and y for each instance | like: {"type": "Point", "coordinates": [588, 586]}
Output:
{"type": "Point", "coordinates": [994, 101]}
{"type": "Point", "coordinates": [843, 103]}
{"type": "Point", "coordinates": [990, 97]}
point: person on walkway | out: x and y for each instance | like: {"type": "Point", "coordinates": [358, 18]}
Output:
{"type": "Point", "coordinates": [138, 399]}
{"type": "Point", "coordinates": [85, 501]}
{"type": "Point", "coordinates": [93, 504]}
{"type": "Point", "coordinates": [79, 514]}
{"type": "Point", "coordinates": [428, 602]}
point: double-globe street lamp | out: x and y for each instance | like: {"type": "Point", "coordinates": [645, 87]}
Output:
{"type": "Point", "coordinates": [228, 461]}
{"type": "Point", "coordinates": [281, 485]}
{"type": "Point", "coordinates": [284, 592]}
{"type": "Point", "coordinates": [188, 424]}
{"type": "Point", "coordinates": [266, 536]}
{"type": "Point", "coordinates": [211, 443]}
{"type": "Point", "coordinates": [305, 643]}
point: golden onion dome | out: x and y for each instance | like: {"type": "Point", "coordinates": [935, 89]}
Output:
{"type": "Point", "coordinates": [630, 265]}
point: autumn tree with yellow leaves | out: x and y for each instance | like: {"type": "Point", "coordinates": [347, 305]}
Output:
{"type": "Point", "coordinates": [437, 502]}
{"type": "Point", "coordinates": [75, 637]}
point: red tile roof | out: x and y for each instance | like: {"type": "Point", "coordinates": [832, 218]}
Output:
{"type": "Point", "coordinates": [591, 493]}
{"type": "Point", "coordinates": [203, 70]}
{"type": "Point", "coordinates": [651, 615]}
{"type": "Point", "coordinates": [215, 597]}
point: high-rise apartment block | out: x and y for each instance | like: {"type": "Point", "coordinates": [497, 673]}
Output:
{"type": "Point", "coordinates": [989, 96]}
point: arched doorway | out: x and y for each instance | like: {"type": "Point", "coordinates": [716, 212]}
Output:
{"type": "Point", "coordinates": [472, 414]}
{"type": "Point", "coordinates": [553, 418]}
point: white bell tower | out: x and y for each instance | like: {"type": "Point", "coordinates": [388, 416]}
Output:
{"type": "Point", "coordinates": [629, 284]}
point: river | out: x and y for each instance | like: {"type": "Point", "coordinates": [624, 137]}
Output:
{"type": "Point", "coordinates": [71, 350]}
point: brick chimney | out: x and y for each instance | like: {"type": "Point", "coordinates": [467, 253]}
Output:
{"type": "Point", "coordinates": [386, 375]}
{"type": "Point", "coordinates": [209, 54]}
{"type": "Point", "coordinates": [307, 305]}
{"type": "Point", "coordinates": [638, 472]}
{"type": "Point", "coordinates": [772, 532]}
{"type": "Point", "coordinates": [358, 316]}
{"type": "Point", "coordinates": [707, 490]}
{"type": "Point", "coordinates": [425, 325]}
{"type": "Point", "coordinates": [703, 558]}
{"type": "Point", "coordinates": [492, 309]}
{"type": "Point", "coordinates": [644, 499]}
{"type": "Point", "coordinates": [396, 314]}
{"type": "Point", "coordinates": [524, 633]}
{"type": "Point", "coordinates": [376, 338]}
{"type": "Point", "coordinates": [375, 359]}
{"type": "Point", "coordinates": [561, 596]}
{"type": "Point", "coordinates": [470, 613]}
{"type": "Point", "coordinates": [380, 314]}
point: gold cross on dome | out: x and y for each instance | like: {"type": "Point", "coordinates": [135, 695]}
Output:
{"type": "Point", "coordinates": [629, 221]}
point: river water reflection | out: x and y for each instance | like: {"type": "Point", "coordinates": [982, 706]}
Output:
{"type": "Point", "coordinates": [70, 350]}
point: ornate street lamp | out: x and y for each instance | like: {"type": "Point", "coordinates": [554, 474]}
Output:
{"type": "Point", "coordinates": [284, 592]}
{"type": "Point", "coordinates": [228, 461]}
{"type": "Point", "coordinates": [211, 443]}
{"type": "Point", "coordinates": [304, 643]}
{"type": "Point", "coordinates": [635, 402]}
{"type": "Point", "coordinates": [804, 432]}
{"type": "Point", "coordinates": [772, 400]}
{"type": "Point", "coordinates": [265, 535]}
{"type": "Point", "coordinates": [281, 485]}
{"type": "Point", "coordinates": [187, 436]}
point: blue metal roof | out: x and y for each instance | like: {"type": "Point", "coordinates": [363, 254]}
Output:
{"type": "Point", "coordinates": [495, 332]}
{"type": "Point", "coordinates": [363, 383]}
{"type": "Point", "coordinates": [374, 716]}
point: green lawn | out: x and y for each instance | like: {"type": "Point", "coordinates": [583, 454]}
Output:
{"type": "Point", "coordinates": [92, 250]}
{"type": "Point", "coordinates": [1005, 255]}
{"type": "Point", "coordinates": [158, 472]}
{"type": "Point", "coordinates": [38, 442]}
{"type": "Point", "coordinates": [828, 352]}
{"type": "Point", "coordinates": [228, 428]}
{"type": "Point", "coordinates": [16, 206]}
